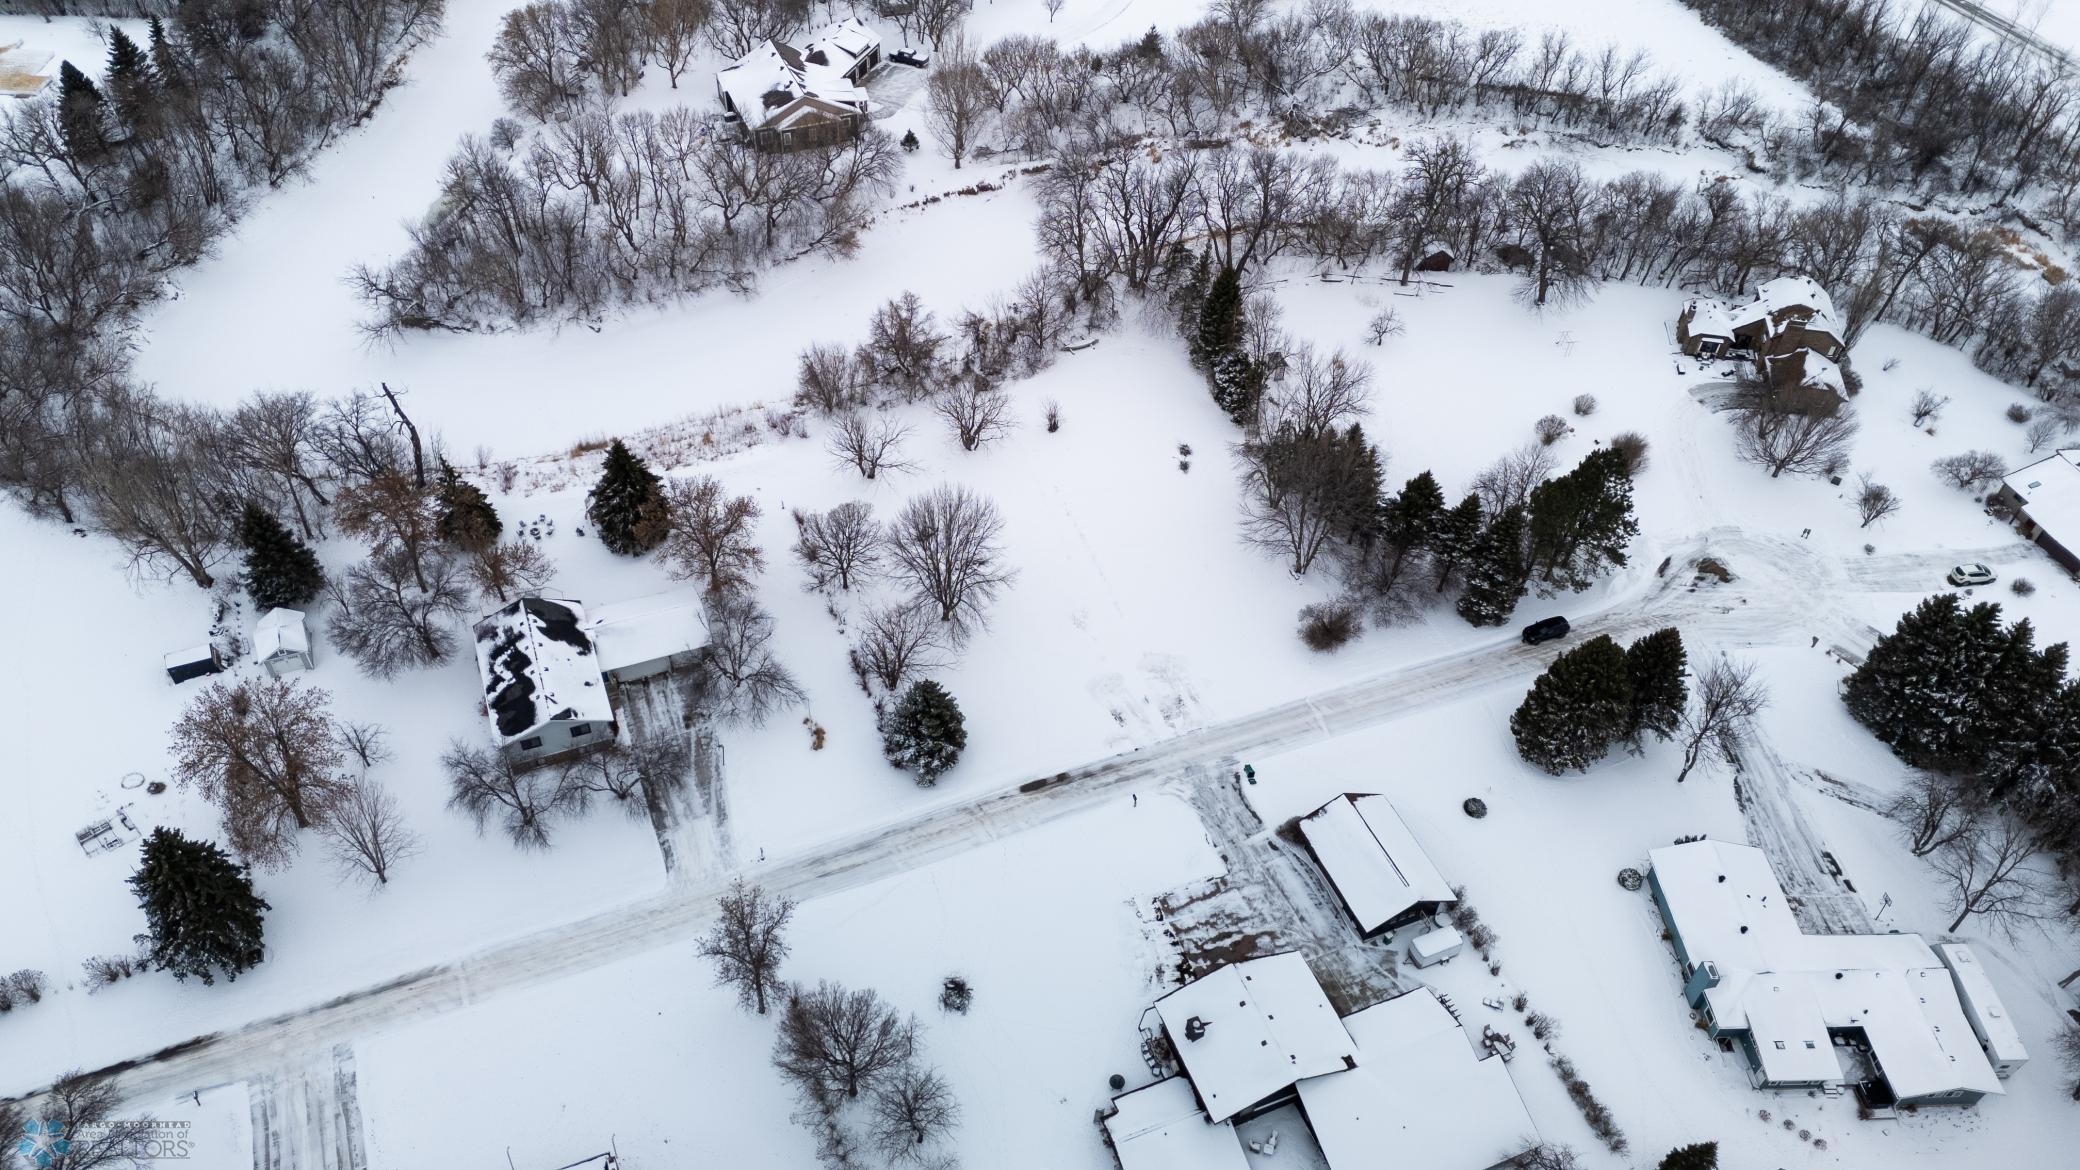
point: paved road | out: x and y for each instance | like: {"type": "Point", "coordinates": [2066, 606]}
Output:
{"type": "Point", "coordinates": [2007, 29]}
{"type": "Point", "coordinates": [1778, 596]}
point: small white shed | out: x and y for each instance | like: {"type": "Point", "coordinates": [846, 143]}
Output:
{"type": "Point", "coordinates": [282, 641]}
{"type": "Point", "coordinates": [1436, 946]}
{"type": "Point", "coordinates": [1983, 1008]}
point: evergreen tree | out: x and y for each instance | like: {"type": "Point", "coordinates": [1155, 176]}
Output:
{"type": "Point", "coordinates": [1701, 1156]}
{"type": "Point", "coordinates": [1495, 571]}
{"type": "Point", "coordinates": [200, 910]}
{"type": "Point", "coordinates": [167, 65]}
{"type": "Point", "coordinates": [627, 505]}
{"type": "Point", "coordinates": [1654, 665]}
{"type": "Point", "coordinates": [909, 142]}
{"type": "Point", "coordinates": [464, 516]}
{"type": "Point", "coordinates": [1217, 351]}
{"type": "Point", "coordinates": [1188, 299]}
{"type": "Point", "coordinates": [82, 114]}
{"type": "Point", "coordinates": [1579, 707]}
{"type": "Point", "coordinates": [1453, 537]}
{"type": "Point", "coordinates": [925, 732]}
{"type": "Point", "coordinates": [1582, 521]}
{"type": "Point", "coordinates": [281, 571]}
{"type": "Point", "coordinates": [130, 80]}
{"type": "Point", "coordinates": [1925, 689]}
{"type": "Point", "coordinates": [1237, 383]}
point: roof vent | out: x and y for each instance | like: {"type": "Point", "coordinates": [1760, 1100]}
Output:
{"type": "Point", "coordinates": [1744, 928]}
{"type": "Point", "coordinates": [1722, 877]}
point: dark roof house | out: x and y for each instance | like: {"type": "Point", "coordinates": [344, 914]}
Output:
{"type": "Point", "coordinates": [543, 692]}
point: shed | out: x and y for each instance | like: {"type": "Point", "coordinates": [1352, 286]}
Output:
{"type": "Point", "coordinates": [1983, 1008]}
{"type": "Point", "coordinates": [194, 662]}
{"type": "Point", "coordinates": [1247, 1032]}
{"type": "Point", "coordinates": [1438, 261]}
{"type": "Point", "coordinates": [282, 641]}
{"type": "Point", "coordinates": [1161, 1127]}
{"type": "Point", "coordinates": [1436, 946]}
{"type": "Point", "coordinates": [1383, 876]}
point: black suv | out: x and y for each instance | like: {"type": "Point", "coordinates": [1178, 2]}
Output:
{"type": "Point", "coordinates": [1545, 630]}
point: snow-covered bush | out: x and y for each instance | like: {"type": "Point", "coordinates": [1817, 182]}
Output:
{"type": "Point", "coordinates": [1550, 429]}
{"type": "Point", "coordinates": [1327, 625]}
{"type": "Point", "coordinates": [1585, 404]}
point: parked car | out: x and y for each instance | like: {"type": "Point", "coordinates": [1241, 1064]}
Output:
{"type": "Point", "coordinates": [1971, 575]}
{"type": "Point", "coordinates": [1545, 630]}
{"type": "Point", "coordinates": [914, 58]}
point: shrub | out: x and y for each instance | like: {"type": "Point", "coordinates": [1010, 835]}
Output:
{"type": "Point", "coordinates": [1969, 469]}
{"type": "Point", "coordinates": [25, 985]}
{"type": "Point", "coordinates": [2022, 586]}
{"type": "Point", "coordinates": [103, 970]}
{"type": "Point", "coordinates": [1585, 404]}
{"type": "Point", "coordinates": [1633, 446]}
{"type": "Point", "coordinates": [1550, 429]}
{"type": "Point", "coordinates": [1054, 416]}
{"type": "Point", "coordinates": [1327, 625]}
{"type": "Point", "coordinates": [2018, 413]}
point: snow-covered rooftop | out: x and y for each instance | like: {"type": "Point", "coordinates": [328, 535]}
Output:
{"type": "Point", "coordinates": [538, 667]}
{"type": "Point", "coordinates": [1788, 988]}
{"type": "Point", "coordinates": [1267, 1025]}
{"type": "Point", "coordinates": [1710, 318]}
{"type": "Point", "coordinates": [2050, 493]}
{"type": "Point", "coordinates": [190, 656]}
{"type": "Point", "coordinates": [640, 629]}
{"type": "Point", "coordinates": [773, 77]}
{"type": "Point", "coordinates": [1372, 858]}
{"type": "Point", "coordinates": [24, 72]}
{"type": "Point", "coordinates": [844, 42]}
{"type": "Point", "coordinates": [1162, 1127]}
{"type": "Point", "coordinates": [1982, 1003]}
{"type": "Point", "coordinates": [280, 631]}
{"type": "Point", "coordinates": [1421, 1097]}
{"type": "Point", "coordinates": [1785, 292]}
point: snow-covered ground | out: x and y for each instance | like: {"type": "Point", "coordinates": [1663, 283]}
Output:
{"type": "Point", "coordinates": [1137, 617]}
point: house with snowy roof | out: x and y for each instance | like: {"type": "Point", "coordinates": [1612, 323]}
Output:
{"type": "Point", "coordinates": [544, 694]}
{"type": "Point", "coordinates": [1876, 1012]}
{"type": "Point", "coordinates": [1790, 331]}
{"type": "Point", "coordinates": [1381, 873]}
{"type": "Point", "coordinates": [2043, 498]}
{"type": "Point", "coordinates": [787, 98]}
{"type": "Point", "coordinates": [1399, 1083]}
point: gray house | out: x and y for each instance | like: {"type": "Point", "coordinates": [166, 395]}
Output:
{"type": "Point", "coordinates": [543, 691]}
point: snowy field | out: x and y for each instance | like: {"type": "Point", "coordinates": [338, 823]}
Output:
{"type": "Point", "coordinates": [550, 1004]}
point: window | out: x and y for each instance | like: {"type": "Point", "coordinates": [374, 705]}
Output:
{"type": "Point", "coordinates": [1809, 1044]}
{"type": "Point", "coordinates": [1706, 349]}
{"type": "Point", "coordinates": [1780, 1044]}
{"type": "Point", "coordinates": [530, 743]}
{"type": "Point", "coordinates": [581, 729]}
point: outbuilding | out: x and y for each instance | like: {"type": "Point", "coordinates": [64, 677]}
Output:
{"type": "Point", "coordinates": [1384, 878]}
{"type": "Point", "coordinates": [194, 662]}
{"type": "Point", "coordinates": [282, 641]}
{"type": "Point", "coordinates": [1983, 1007]}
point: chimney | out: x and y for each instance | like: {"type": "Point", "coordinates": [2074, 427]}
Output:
{"type": "Point", "coordinates": [1194, 1028]}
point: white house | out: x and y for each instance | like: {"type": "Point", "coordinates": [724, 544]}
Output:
{"type": "Point", "coordinates": [1983, 1007]}
{"type": "Point", "coordinates": [2044, 499]}
{"type": "Point", "coordinates": [1161, 1127]}
{"type": "Point", "coordinates": [543, 692]}
{"type": "Point", "coordinates": [1248, 1032]}
{"type": "Point", "coordinates": [282, 641]}
{"type": "Point", "coordinates": [1384, 878]}
{"type": "Point", "coordinates": [1791, 999]}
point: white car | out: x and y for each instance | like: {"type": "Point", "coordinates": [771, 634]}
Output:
{"type": "Point", "coordinates": [1971, 575]}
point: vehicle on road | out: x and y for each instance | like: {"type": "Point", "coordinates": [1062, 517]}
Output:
{"type": "Point", "coordinates": [1545, 630]}
{"type": "Point", "coordinates": [1971, 575]}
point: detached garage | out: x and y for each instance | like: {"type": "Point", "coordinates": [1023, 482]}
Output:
{"type": "Point", "coordinates": [1384, 878]}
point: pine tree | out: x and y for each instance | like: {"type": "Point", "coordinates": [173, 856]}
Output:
{"type": "Point", "coordinates": [281, 571]}
{"type": "Point", "coordinates": [925, 733]}
{"type": "Point", "coordinates": [1453, 537]}
{"type": "Point", "coordinates": [1495, 571]}
{"type": "Point", "coordinates": [1925, 688]}
{"type": "Point", "coordinates": [2026, 737]}
{"type": "Point", "coordinates": [81, 114]}
{"type": "Point", "coordinates": [130, 80]}
{"type": "Point", "coordinates": [1579, 707]}
{"type": "Point", "coordinates": [1582, 521]}
{"type": "Point", "coordinates": [627, 505]}
{"type": "Point", "coordinates": [1217, 351]}
{"type": "Point", "coordinates": [909, 142]}
{"type": "Point", "coordinates": [167, 66]}
{"type": "Point", "coordinates": [1237, 383]}
{"type": "Point", "coordinates": [1700, 1156]}
{"type": "Point", "coordinates": [200, 910]}
{"type": "Point", "coordinates": [465, 516]}
{"type": "Point", "coordinates": [1188, 299]}
{"type": "Point", "coordinates": [1654, 665]}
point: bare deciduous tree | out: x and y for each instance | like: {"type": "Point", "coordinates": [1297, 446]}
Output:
{"type": "Point", "coordinates": [869, 446]}
{"type": "Point", "coordinates": [897, 643]}
{"type": "Point", "coordinates": [537, 59]}
{"type": "Point", "coordinates": [738, 27]}
{"type": "Point", "coordinates": [615, 772]}
{"type": "Point", "coordinates": [81, 1108]}
{"type": "Point", "coordinates": [749, 683]}
{"type": "Point", "coordinates": [265, 753]}
{"type": "Point", "coordinates": [1315, 394]}
{"type": "Point", "coordinates": [914, 1109]}
{"type": "Point", "coordinates": [486, 786]}
{"type": "Point", "coordinates": [2043, 431]}
{"type": "Point", "coordinates": [845, 1041]}
{"type": "Point", "coordinates": [976, 411]}
{"type": "Point", "coordinates": [944, 546]}
{"type": "Point", "coordinates": [1926, 405]}
{"type": "Point", "coordinates": [1507, 482]}
{"type": "Point", "coordinates": [1874, 501]}
{"type": "Point", "coordinates": [905, 347]}
{"type": "Point", "coordinates": [748, 943]}
{"type": "Point", "coordinates": [1800, 442]}
{"type": "Point", "coordinates": [839, 545]}
{"type": "Point", "coordinates": [1970, 470]}
{"type": "Point", "coordinates": [830, 380]}
{"type": "Point", "coordinates": [503, 571]}
{"type": "Point", "coordinates": [386, 623]}
{"type": "Point", "coordinates": [366, 833]}
{"type": "Point", "coordinates": [1722, 711]}
{"type": "Point", "coordinates": [146, 480]}
{"type": "Point", "coordinates": [1986, 873]}
{"type": "Point", "coordinates": [957, 102]}
{"type": "Point", "coordinates": [365, 742]}
{"type": "Point", "coordinates": [1933, 811]}
{"type": "Point", "coordinates": [710, 535]}
{"type": "Point", "coordinates": [393, 514]}
{"type": "Point", "coordinates": [672, 32]}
